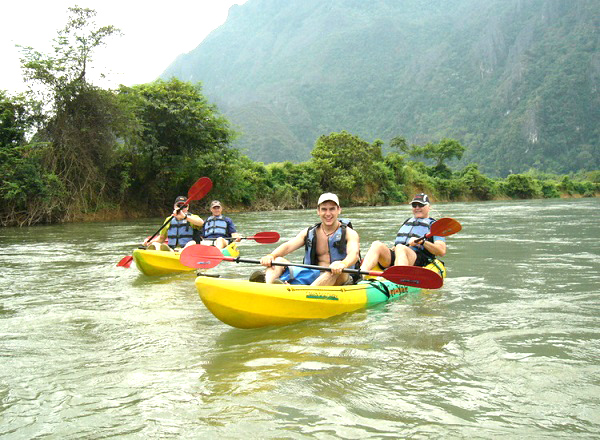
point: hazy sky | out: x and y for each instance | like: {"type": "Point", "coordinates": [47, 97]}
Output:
{"type": "Point", "coordinates": [154, 34]}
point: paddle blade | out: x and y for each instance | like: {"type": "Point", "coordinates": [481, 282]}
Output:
{"type": "Point", "coordinates": [266, 237]}
{"type": "Point", "coordinates": [412, 276]}
{"type": "Point", "coordinates": [199, 189]}
{"type": "Point", "coordinates": [125, 261]}
{"type": "Point", "coordinates": [201, 257]}
{"type": "Point", "coordinates": [444, 227]}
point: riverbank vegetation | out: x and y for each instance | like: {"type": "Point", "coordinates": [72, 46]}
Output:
{"type": "Point", "coordinates": [79, 152]}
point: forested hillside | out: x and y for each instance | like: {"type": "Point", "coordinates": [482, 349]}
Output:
{"type": "Point", "coordinates": [73, 151]}
{"type": "Point", "coordinates": [515, 81]}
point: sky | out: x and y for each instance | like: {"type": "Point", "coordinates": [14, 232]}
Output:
{"type": "Point", "coordinates": [154, 34]}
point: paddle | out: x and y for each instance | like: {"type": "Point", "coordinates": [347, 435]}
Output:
{"type": "Point", "coordinates": [260, 237]}
{"type": "Point", "coordinates": [442, 228]}
{"type": "Point", "coordinates": [199, 256]}
{"type": "Point", "coordinates": [196, 192]}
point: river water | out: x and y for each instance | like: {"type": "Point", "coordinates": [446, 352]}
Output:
{"type": "Point", "coordinates": [509, 347]}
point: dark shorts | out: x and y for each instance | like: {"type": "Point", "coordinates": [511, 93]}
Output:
{"type": "Point", "coordinates": [422, 259]}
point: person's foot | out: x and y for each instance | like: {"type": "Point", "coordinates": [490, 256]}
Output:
{"type": "Point", "coordinates": [258, 276]}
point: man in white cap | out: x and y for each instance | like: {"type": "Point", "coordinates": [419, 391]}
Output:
{"type": "Point", "coordinates": [330, 243]}
{"type": "Point", "coordinates": [218, 228]}
{"type": "Point", "coordinates": [408, 250]}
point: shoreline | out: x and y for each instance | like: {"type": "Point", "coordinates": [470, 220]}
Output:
{"type": "Point", "coordinates": [118, 214]}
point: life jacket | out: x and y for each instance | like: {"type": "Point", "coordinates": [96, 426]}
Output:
{"type": "Point", "coordinates": [215, 227]}
{"type": "Point", "coordinates": [180, 233]}
{"type": "Point", "coordinates": [415, 227]}
{"type": "Point", "coordinates": [337, 245]}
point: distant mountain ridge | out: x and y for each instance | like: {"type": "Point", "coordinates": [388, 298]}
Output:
{"type": "Point", "coordinates": [516, 81]}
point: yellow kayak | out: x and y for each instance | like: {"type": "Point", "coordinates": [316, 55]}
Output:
{"type": "Point", "coordinates": [152, 262]}
{"type": "Point", "coordinates": [244, 304]}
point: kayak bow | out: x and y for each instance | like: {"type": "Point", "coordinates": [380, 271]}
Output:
{"type": "Point", "coordinates": [245, 304]}
{"type": "Point", "coordinates": [152, 262]}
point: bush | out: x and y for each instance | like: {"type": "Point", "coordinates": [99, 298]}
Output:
{"type": "Point", "coordinates": [550, 190]}
{"type": "Point", "coordinates": [519, 186]}
{"type": "Point", "coordinates": [382, 188]}
{"type": "Point", "coordinates": [451, 189]}
{"type": "Point", "coordinates": [566, 185]}
{"type": "Point", "coordinates": [477, 185]}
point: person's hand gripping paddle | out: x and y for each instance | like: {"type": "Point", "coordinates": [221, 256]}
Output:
{"type": "Point", "coordinates": [205, 257]}
{"type": "Point", "coordinates": [196, 192]}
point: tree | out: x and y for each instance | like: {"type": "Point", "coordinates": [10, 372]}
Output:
{"type": "Point", "coordinates": [83, 121]}
{"type": "Point", "coordinates": [27, 194]}
{"type": "Point", "coordinates": [176, 128]}
{"type": "Point", "coordinates": [72, 51]}
{"type": "Point", "coordinates": [399, 143]}
{"type": "Point", "coordinates": [480, 186]}
{"type": "Point", "coordinates": [520, 186]}
{"type": "Point", "coordinates": [15, 120]}
{"type": "Point", "coordinates": [441, 152]}
{"type": "Point", "coordinates": [346, 163]}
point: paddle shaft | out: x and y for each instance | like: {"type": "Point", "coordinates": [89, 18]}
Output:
{"type": "Point", "coordinates": [198, 190]}
{"type": "Point", "coordinates": [163, 225]}
{"type": "Point", "coordinates": [442, 228]}
{"type": "Point", "coordinates": [200, 256]}
{"type": "Point", "coordinates": [306, 266]}
{"type": "Point", "coordinates": [226, 238]}
{"type": "Point", "coordinates": [261, 237]}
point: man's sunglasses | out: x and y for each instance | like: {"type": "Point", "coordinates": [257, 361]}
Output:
{"type": "Point", "coordinates": [417, 205]}
{"type": "Point", "coordinates": [181, 205]}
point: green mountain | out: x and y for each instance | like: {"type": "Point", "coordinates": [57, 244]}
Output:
{"type": "Point", "coordinates": [515, 81]}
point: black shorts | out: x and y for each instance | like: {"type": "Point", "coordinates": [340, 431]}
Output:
{"type": "Point", "coordinates": [422, 259]}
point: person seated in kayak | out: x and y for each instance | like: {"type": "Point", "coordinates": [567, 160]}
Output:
{"type": "Point", "coordinates": [218, 228]}
{"type": "Point", "coordinates": [183, 229]}
{"type": "Point", "coordinates": [328, 243]}
{"type": "Point", "coordinates": [408, 250]}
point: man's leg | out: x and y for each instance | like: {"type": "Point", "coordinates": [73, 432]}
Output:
{"type": "Point", "coordinates": [329, 279]}
{"type": "Point", "coordinates": [274, 272]}
{"type": "Point", "coordinates": [378, 253]}
{"type": "Point", "coordinates": [220, 243]}
{"type": "Point", "coordinates": [405, 256]}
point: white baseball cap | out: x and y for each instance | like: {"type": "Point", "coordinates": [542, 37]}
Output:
{"type": "Point", "coordinates": [325, 197]}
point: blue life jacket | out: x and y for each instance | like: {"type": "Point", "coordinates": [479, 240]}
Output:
{"type": "Point", "coordinates": [415, 227]}
{"type": "Point", "coordinates": [337, 245]}
{"type": "Point", "coordinates": [215, 227]}
{"type": "Point", "coordinates": [180, 233]}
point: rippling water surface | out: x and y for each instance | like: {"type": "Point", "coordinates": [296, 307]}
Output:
{"type": "Point", "coordinates": [508, 347]}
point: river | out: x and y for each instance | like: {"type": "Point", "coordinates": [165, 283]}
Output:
{"type": "Point", "coordinates": [509, 347]}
